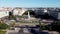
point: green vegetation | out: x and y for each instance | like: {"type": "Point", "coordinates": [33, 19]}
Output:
{"type": "Point", "coordinates": [27, 23]}
{"type": "Point", "coordinates": [31, 12]}
{"type": "Point", "coordinates": [11, 28]}
{"type": "Point", "coordinates": [2, 32]}
{"type": "Point", "coordinates": [42, 26]}
{"type": "Point", "coordinates": [12, 24]}
{"type": "Point", "coordinates": [3, 26]}
{"type": "Point", "coordinates": [12, 17]}
{"type": "Point", "coordinates": [55, 26]}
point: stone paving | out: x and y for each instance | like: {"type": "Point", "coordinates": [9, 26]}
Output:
{"type": "Point", "coordinates": [28, 30]}
{"type": "Point", "coordinates": [21, 31]}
